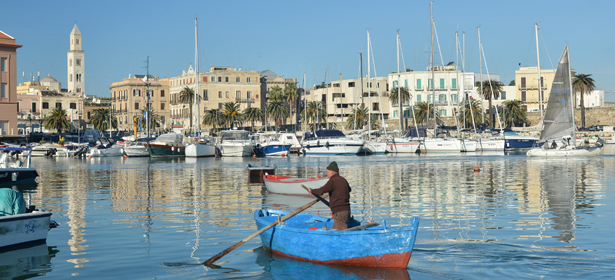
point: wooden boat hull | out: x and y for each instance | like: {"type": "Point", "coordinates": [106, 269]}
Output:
{"type": "Point", "coordinates": [24, 228]}
{"type": "Point", "coordinates": [377, 247]}
{"type": "Point", "coordinates": [292, 185]}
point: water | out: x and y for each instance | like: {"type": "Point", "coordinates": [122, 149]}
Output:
{"type": "Point", "coordinates": [142, 218]}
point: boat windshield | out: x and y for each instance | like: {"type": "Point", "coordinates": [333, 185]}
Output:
{"type": "Point", "coordinates": [235, 135]}
{"type": "Point", "coordinates": [169, 137]}
{"type": "Point", "coordinates": [324, 134]}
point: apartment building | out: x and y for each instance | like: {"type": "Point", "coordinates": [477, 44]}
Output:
{"type": "Point", "coordinates": [216, 87]}
{"type": "Point", "coordinates": [526, 82]}
{"type": "Point", "coordinates": [270, 79]}
{"type": "Point", "coordinates": [129, 98]}
{"type": "Point", "coordinates": [8, 84]}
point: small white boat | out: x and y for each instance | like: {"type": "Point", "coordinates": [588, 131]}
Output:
{"type": "Point", "coordinates": [330, 142]}
{"type": "Point", "coordinates": [402, 145]}
{"type": "Point", "coordinates": [375, 147]}
{"type": "Point", "coordinates": [24, 228]}
{"type": "Point", "coordinates": [48, 150]}
{"type": "Point", "coordinates": [201, 149]}
{"type": "Point", "coordinates": [136, 150]}
{"type": "Point", "coordinates": [235, 143]}
{"type": "Point", "coordinates": [292, 185]}
{"type": "Point", "coordinates": [14, 170]}
{"type": "Point", "coordinates": [445, 145]}
{"type": "Point", "coordinates": [490, 144]}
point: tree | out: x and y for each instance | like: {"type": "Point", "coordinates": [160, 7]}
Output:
{"type": "Point", "coordinates": [471, 107]}
{"type": "Point", "coordinates": [405, 98]}
{"type": "Point", "coordinates": [361, 120]}
{"type": "Point", "coordinates": [154, 119]}
{"type": "Point", "coordinates": [57, 120]}
{"type": "Point", "coordinates": [491, 90]}
{"type": "Point", "coordinates": [315, 112]}
{"type": "Point", "coordinates": [583, 84]}
{"type": "Point", "coordinates": [277, 110]}
{"type": "Point", "coordinates": [101, 118]}
{"type": "Point", "coordinates": [214, 118]}
{"type": "Point", "coordinates": [424, 112]}
{"type": "Point", "coordinates": [276, 93]}
{"type": "Point", "coordinates": [289, 95]}
{"type": "Point", "coordinates": [512, 83]}
{"type": "Point", "coordinates": [232, 113]}
{"type": "Point", "coordinates": [186, 96]}
{"type": "Point", "coordinates": [514, 113]}
{"type": "Point", "coordinates": [253, 114]}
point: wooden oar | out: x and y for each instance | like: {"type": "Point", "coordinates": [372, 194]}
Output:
{"type": "Point", "coordinates": [211, 260]}
{"type": "Point", "coordinates": [318, 196]}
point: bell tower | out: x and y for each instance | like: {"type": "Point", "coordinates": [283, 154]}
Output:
{"type": "Point", "coordinates": [76, 64]}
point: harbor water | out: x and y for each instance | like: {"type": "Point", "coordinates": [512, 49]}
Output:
{"type": "Point", "coordinates": [146, 218]}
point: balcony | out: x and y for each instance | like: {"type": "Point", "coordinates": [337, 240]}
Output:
{"type": "Point", "coordinates": [245, 100]}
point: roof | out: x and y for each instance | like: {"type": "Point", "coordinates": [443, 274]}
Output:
{"type": "Point", "coordinates": [75, 30]}
{"type": "Point", "coordinates": [5, 36]}
{"type": "Point", "coordinates": [7, 41]}
{"type": "Point", "coordinates": [48, 79]}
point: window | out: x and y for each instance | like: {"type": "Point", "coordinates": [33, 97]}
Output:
{"type": "Point", "coordinates": [3, 90]}
{"type": "Point", "coordinates": [249, 95]}
{"type": "Point", "coordinates": [136, 106]}
{"type": "Point", "coordinates": [248, 80]}
{"type": "Point", "coordinates": [162, 106]}
{"type": "Point", "coordinates": [442, 112]}
{"type": "Point", "coordinates": [454, 83]}
{"type": "Point", "coordinates": [219, 94]}
{"type": "Point", "coordinates": [77, 41]}
{"type": "Point", "coordinates": [238, 94]}
{"type": "Point", "coordinates": [3, 66]}
{"type": "Point", "coordinates": [442, 83]}
{"type": "Point", "coordinates": [503, 95]}
{"type": "Point", "coordinates": [70, 77]}
{"type": "Point", "coordinates": [523, 95]}
{"type": "Point", "coordinates": [59, 105]}
{"type": "Point", "coordinates": [219, 79]}
{"type": "Point", "coordinates": [350, 84]}
{"type": "Point", "coordinates": [226, 94]}
{"type": "Point", "coordinates": [523, 84]}
{"type": "Point", "coordinates": [454, 98]}
{"type": "Point", "coordinates": [205, 95]}
{"type": "Point", "coordinates": [376, 107]}
{"type": "Point", "coordinates": [33, 107]}
{"type": "Point", "coordinates": [226, 79]}
{"type": "Point", "coordinates": [18, 106]}
{"type": "Point", "coordinates": [162, 93]}
{"type": "Point", "coordinates": [418, 84]}
{"type": "Point", "coordinates": [78, 89]}
{"type": "Point", "coordinates": [442, 98]}
{"type": "Point", "coordinates": [220, 105]}
{"type": "Point", "coordinates": [78, 61]}
{"type": "Point", "coordinates": [395, 83]}
{"type": "Point", "coordinates": [213, 79]}
{"type": "Point", "coordinates": [78, 78]}
{"type": "Point", "coordinates": [89, 114]}
{"type": "Point", "coordinates": [237, 80]}
{"type": "Point", "coordinates": [45, 105]}
{"type": "Point", "coordinates": [73, 105]}
{"type": "Point", "coordinates": [418, 98]}
{"type": "Point", "coordinates": [70, 62]}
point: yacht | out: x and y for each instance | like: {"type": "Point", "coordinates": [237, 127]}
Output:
{"type": "Point", "coordinates": [235, 143]}
{"type": "Point", "coordinates": [330, 142]}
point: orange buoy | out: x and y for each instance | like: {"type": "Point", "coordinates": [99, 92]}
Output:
{"type": "Point", "coordinates": [125, 156]}
{"type": "Point", "coordinates": [89, 156]}
{"type": "Point", "coordinates": [71, 156]}
{"type": "Point", "coordinates": [254, 155]}
{"type": "Point", "coordinates": [477, 169]}
{"type": "Point", "coordinates": [283, 155]}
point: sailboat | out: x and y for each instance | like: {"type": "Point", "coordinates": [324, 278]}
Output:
{"type": "Point", "coordinates": [198, 148]}
{"type": "Point", "coordinates": [558, 122]}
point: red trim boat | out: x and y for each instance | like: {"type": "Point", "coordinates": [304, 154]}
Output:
{"type": "Point", "coordinates": [292, 185]}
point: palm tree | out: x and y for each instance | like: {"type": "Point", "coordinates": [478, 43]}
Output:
{"type": "Point", "coordinates": [424, 111]}
{"type": "Point", "coordinates": [405, 98]}
{"type": "Point", "coordinates": [57, 120]}
{"type": "Point", "coordinates": [277, 110]}
{"type": "Point", "coordinates": [514, 113]}
{"type": "Point", "coordinates": [214, 118]}
{"type": "Point", "coordinates": [232, 113]}
{"type": "Point", "coordinates": [471, 106]}
{"type": "Point", "coordinates": [154, 119]}
{"type": "Point", "coordinates": [315, 113]}
{"type": "Point", "coordinates": [491, 90]}
{"type": "Point", "coordinates": [186, 95]}
{"type": "Point", "coordinates": [276, 93]}
{"type": "Point", "coordinates": [100, 119]}
{"type": "Point", "coordinates": [583, 84]}
{"type": "Point", "coordinates": [361, 120]}
{"type": "Point", "coordinates": [290, 94]}
{"type": "Point", "coordinates": [253, 114]}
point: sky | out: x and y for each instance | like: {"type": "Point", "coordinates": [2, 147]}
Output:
{"type": "Point", "coordinates": [291, 38]}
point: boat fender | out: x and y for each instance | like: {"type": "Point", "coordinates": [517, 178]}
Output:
{"type": "Point", "coordinates": [172, 148]}
{"type": "Point", "coordinates": [318, 143]}
{"type": "Point", "coordinates": [327, 145]}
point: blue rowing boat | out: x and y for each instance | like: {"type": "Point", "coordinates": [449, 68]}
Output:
{"type": "Point", "coordinates": [302, 237]}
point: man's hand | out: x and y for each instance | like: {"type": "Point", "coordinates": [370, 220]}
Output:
{"type": "Point", "coordinates": [309, 190]}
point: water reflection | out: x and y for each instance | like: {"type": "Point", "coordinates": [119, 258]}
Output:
{"type": "Point", "coordinates": [280, 267]}
{"type": "Point", "coordinates": [26, 261]}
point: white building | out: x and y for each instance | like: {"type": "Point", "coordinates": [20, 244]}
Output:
{"type": "Point", "coordinates": [76, 63]}
{"type": "Point", "coordinates": [594, 99]}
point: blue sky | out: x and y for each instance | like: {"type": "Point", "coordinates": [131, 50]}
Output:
{"type": "Point", "coordinates": [293, 37]}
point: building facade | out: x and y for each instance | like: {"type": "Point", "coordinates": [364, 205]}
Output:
{"type": "Point", "coordinates": [129, 98]}
{"type": "Point", "coordinates": [8, 84]}
{"type": "Point", "coordinates": [270, 79]}
{"type": "Point", "coordinates": [76, 64]}
{"type": "Point", "coordinates": [216, 87]}
{"type": "Point", "coordinates": [526, 82]}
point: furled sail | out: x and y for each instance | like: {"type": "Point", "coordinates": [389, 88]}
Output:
{"type": "Point", "coordinates": [559, 117]}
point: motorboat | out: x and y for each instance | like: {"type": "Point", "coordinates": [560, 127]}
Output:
{"type": "Point", "coordinates": [105, 148]}
{"type": "Point", "coordinates": [12, 169]}
{"type": "Point", "coordinates": [292, 185]}
{"type": "Point", "coordinates": [235, 143]}
{"type": "Point", "coordinates": [137, 148]}
{"type": "Point", "coordinates": [330, 142]}
{"type": "Point", "coordinates": [48, 150]}
{"type": "Point", "coordinates": [166, 145]}
{"type": "Point", "coordinates": [201, 148]}
{"type": "Point", "coordinates": [272, 144]}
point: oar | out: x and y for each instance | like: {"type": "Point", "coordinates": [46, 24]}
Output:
{"type": "Point", "coordinates": [318, 196]}
{"type": "Point", "coordinates": [211, 260]}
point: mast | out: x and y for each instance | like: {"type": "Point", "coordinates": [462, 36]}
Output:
{"type": "Point", "coordinates": [305, 106]}
{"type": "Point", "coordinates": [457, 77]}
{"type": "Point", "coordinates": [539, 77]}
{"type": "Point", "coordinates": [147, 100]}
{"type": "Point", "coordinates": [480, 60]}
{"type": "Point", "coordinates": [433, 75]}
{"type": "Point", "coordinates": [369, 91]}
{"type": "Point", "coordinates": [464, 74]}
{"type": "Point", "coordinates": [197, 126]}
{"type": "Point", "coordinates": [401, 112]}
{"type": "Point", "coordinates": [574, 126]}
